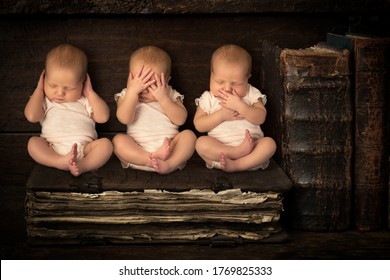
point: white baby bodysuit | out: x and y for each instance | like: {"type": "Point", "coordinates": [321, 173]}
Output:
{"type": "Point", "coordinates": [232, 132]}
{"type": "Point", "coordinates": [67, 123]}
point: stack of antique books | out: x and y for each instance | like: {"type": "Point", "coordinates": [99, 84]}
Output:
{"type": "Point", "coordinates": [115, 205]}
{"type": "Point", "coordinates": [329, 114]}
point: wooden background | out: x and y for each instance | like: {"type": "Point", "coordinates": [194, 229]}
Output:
{"type": "Point", "coordinates": [108, 42]}
{"type": "Point", "coordinates": [109, 30]}
{"type": "Point", "coordinates": [188, 30]}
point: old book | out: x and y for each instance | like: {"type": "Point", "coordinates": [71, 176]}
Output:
{"type": "Point", "coordinates": [116, 205]}
{"type": "Point", "coordinates": [370, 63]}
{"type": "Point", "coordinates": [310, 117]}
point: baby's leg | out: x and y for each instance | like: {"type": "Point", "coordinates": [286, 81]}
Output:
{"type": "Point", "coordinates": [96, 154]}
{"type": "Point", "coordinates": [210, 148]}
{"type": "Point", "coordinates": [42, 153]}
{"type": "Point", "coordinates": [263, 150]}
{"type": "Point", "coordinates": [182, 148]}
{"type": "Point", "coordinates": [128, 151]}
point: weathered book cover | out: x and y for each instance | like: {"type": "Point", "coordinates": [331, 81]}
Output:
{"type": "Point", "coordinates": [310, 117]}
{"type": "Point", "coordinates": [371, 90]}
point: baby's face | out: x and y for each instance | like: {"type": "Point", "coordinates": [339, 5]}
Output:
{"type": "Point", "coordinates": [62, 84]}
{"type": "Point", "coordinates": [146, 96]}
{"type": "Point", "coordinates": [229, 77]}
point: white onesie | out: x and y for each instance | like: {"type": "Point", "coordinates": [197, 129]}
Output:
{"type": "Point", "coordinates": [151, 125]}
{"type": "Point", "coordinates": [232, 132]}
{"type": "Point", "coordinates": [67, 123]}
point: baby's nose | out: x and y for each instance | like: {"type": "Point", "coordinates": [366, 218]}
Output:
{"type": "Point", "coordinates": [228, 88]}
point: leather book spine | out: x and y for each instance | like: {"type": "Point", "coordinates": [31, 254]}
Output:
{"type": "Point", "coordinates": [309, 92]}
{"type": "Point", "coordinates": [371, 133]}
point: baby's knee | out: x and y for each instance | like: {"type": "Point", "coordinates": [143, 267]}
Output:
{"type": "Point", "coordinates": [106, 143]}
{"type": "Point", "coordinates": [270, 144]}
{"type": "Point", "coordinates": [189, 135]}
{"type": "Point", "coordinates": [118, 140]}
{"type": "Point", "coordinates": [34, 141]}
{"type": "Point", "coordinates": [201, 143]}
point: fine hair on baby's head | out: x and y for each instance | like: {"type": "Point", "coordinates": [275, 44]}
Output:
{"type": "Point", "coordinates": [69, 57]}
{"type": "Point", "coordinates": [232, 54]}
{"type": "Point", "coordinates": [152, 55]}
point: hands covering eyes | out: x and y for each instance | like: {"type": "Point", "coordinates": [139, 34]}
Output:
{"type": "Point", "coordinates": [145, 82]}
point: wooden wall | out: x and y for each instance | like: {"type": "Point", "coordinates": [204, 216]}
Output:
{"type": "Point", "coordinates": [110, 30]}
{"type": "Point", "coordinates": [108, 42]}
{"type": "Point", "coordinates": [120, 7]}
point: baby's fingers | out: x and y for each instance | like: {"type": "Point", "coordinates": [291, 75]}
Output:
{"type": "Point", "coordinates": [162, 78]}
{"type": "Point", "coordinates": [152, 87]}
{"type": "Point", "coordinates": [147, 74]}
{"type": "Point", "coordinates": [139, 72]}
{"type": "Point", "coordinates": [41, 80]}
{"type": "Point", "coordinates": [224, 94]}
{"type": "Point", "coordinates": [150, 83]}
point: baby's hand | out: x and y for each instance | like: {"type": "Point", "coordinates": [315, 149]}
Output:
{"type": "Point", "coordinates": [87, 89]}
{"type": "Point", "coordinates": [41, 82]}
{"type": "Point", "coordinates": [140, 81]}
{"type": "Point", "coordinates": [229, 100]}
{"type": "Point", "coordinates": [159, 89]}
{"type": "Point", "coordinates": [229, 115]}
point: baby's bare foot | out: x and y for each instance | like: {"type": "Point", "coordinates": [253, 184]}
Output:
{"type": "Point", "coordinates": [161, 166]}
{"type": "Point", "coordinates": [73, 167]}
{"type": "Point", "coordinates": [227, 164]}
{"type": "Point", "coordinates": [246, 146]}
{"type": "Point", "coordinates": [164, 152]}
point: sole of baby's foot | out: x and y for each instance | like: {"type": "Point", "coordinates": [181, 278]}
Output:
{"type": "Point", "coordinates": [73, 167]}
{"type": "Point", "coordinates": [227, 165]}
{"type": "Point", "coordinates": [164, 152]}
{"type": "Point", "coordinates": [160, 166]}
{"type": "Point", "coordinates": [63, 162]}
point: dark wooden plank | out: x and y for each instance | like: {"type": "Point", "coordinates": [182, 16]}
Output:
{"type": "Point", "coordinates": [200, 6]}
{"type": "Point", "coordinates": [301, 246]}
{"type": "Point", "coordinates": [109, 42]}
{"type": "Point", "coordinates": [194, 176]}
{"type": "Point", "coordinates": [15, 163]}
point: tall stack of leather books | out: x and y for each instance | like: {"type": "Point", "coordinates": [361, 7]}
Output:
{"type": "Point", "coordinates": [311, 118]}
{"type": "Point", "coordinates": [370, 62]}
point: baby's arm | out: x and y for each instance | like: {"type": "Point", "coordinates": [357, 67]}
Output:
{"type": "Point", "coordinates": [255, 114]}
{"type": "Point", "coordinates": [204, 122]}
{"type": "Point", "coordinates": [175, 111]}
{"type": "Point", "coordinates": [101, 111]}
{"type": "Point", "coordinates": [135, 85]}
{"type": "Point", "coordinates": [34, 110]}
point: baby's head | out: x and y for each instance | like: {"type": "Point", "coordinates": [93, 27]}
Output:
{"type": "Point", "coordinates": [65, 73]}
{"type": "Point", "coordinates": [151, 57]}
{"type": "Point", "coordinates": [231, 68]}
